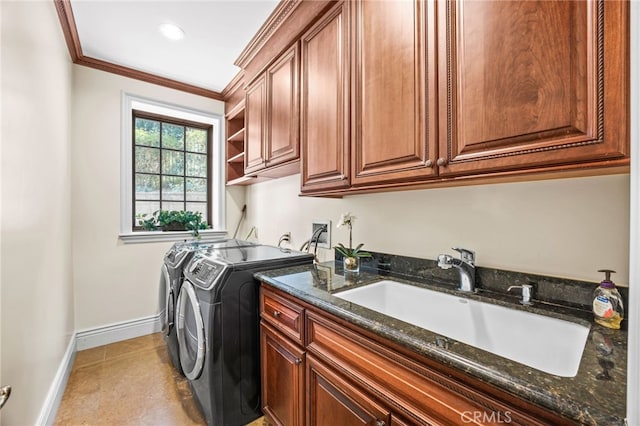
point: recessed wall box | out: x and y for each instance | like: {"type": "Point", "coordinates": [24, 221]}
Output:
{"type": "Point", "coordinates": [324, 237]}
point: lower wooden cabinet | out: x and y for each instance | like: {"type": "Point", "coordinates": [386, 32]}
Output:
{"type": "Point", "coordinates": [332, 400]}
{"type": "Point", "coordinates": [282, 366]}
{"type": "Point", "coordinates": [326, 371]}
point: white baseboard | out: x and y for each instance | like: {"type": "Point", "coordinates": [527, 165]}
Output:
{"type": "Point", "coordinates": [56, 390]}
{"type": "Point", "coordinates": [93, 337]}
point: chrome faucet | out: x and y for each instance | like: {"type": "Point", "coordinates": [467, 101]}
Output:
{"type": "Point", "coordinates": [315, 238]}
{"type": "Point", "coordinates": [527, 290]}
{"type": "Point", "coordinates": [465, 266]}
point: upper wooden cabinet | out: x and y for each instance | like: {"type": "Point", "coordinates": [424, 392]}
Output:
{"type": "Point", "coordinates": [283, 114]}
{"type": "Point", "coordinates": [424, 92]}
{"type": "Point", "coordinates": [254, 127]}
{"type": "Point", "coordinates": [272, 115]}
{"type": "Point", "coordinates": [325, 113]}
{"type": "Point", "coordinates": [531, 84]}
{"type": "Point", "coordinates": [394, 98]}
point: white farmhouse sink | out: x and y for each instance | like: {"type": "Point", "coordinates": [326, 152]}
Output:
{"type": "Point", "coordinates": [548, 344]}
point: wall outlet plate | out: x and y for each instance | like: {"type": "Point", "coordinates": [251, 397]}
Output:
{"type": "Point", "coordinates": [324, 239]}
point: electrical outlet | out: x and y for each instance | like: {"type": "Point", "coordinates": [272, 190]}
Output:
{"type": "Point", "coordinates": [324, 237]}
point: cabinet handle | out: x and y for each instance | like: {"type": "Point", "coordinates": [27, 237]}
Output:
{"type": "Point", "coordinates": [380, 423]}
{"type": "Point", "coordinates": [441, 162]}
{"type": "Point", "coordinates": [429, 163]}
{"type": "Point", "coordinates": [276, 313]}
{"type": "Point", "coordinates": [298, 361]}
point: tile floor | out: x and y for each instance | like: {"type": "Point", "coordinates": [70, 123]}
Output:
{"type": "Point", "coordinates": [128, 383]}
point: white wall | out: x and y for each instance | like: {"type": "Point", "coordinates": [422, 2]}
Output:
{"type": "Point", "coordinates": [567, 228]}
{"type": "Point", "coordinates": [114, 282]}
{"type": "Point", "coordinates": [37, 299]}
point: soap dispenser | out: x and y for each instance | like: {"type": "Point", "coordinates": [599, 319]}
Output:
{"type": "Point", "coordinates": [608, 310]}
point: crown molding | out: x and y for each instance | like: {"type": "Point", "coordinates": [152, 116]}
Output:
{"type": "Point", "coordinates": [70, 31]}
{"type": "Point", "coordinates": [233, 84]}
{"type": "Point", "coordinates": [284, 9]}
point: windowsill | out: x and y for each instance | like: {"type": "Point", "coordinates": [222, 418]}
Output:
{"type": "Point", "coordinates": [171, 236]}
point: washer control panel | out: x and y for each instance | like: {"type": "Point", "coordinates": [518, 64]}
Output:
{"type": "Point", "coordinates": [176, 255]}
{"type": "Point", "coordinates": [203, 271]}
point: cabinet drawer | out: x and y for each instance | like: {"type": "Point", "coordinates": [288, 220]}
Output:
{"type": "Point", "coordinates": [283, 314]}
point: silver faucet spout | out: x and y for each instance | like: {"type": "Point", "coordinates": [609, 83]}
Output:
{"type": "Point", "coordinates": [527, 290]}
{"type": "Point", "coordinates": [465, 266]}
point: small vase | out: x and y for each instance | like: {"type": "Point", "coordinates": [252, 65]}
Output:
{"type": "Point", "coordinates": [351, 264]}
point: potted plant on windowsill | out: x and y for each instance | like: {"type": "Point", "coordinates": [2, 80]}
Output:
{"type": "Point", "coordinates": [173, 220]}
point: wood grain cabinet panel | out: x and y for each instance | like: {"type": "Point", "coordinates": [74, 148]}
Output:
{"type": "Point", "coordinates": [286, 316]}
{"type": "Point", "coordinates": [332, 400]}
{"type": "Point", "coordinates": [282, 143]}
{"type": "Point", "coordinates": [325, 109]}
{"type": "Point", "coordinates": [394, 92]}
{"type": "Point", "coordinates": [531, 84]}
{"type": "Point", "coordinates": [255, 107]}
{"type": "Point", "coordinates": [282, 364]}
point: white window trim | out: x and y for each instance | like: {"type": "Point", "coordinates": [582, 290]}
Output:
{"type": "Point", "coordinates": [219, 229]}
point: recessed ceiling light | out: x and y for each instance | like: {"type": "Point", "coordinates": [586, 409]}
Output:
{"type": "Point", "coordinates": [171, 31]}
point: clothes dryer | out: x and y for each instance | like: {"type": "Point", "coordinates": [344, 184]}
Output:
{"type": "Point", "coordinates": [218, 329]}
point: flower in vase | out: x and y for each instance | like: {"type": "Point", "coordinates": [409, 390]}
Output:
{"type": "Point", "coordinates": [347, 219]}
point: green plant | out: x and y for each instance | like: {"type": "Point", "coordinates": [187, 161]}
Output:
{"type": "Point", "coordinates": [352, 252]}
{"type": "Point", "coordinates": [173, 220]}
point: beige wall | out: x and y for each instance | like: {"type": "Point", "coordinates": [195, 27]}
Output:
{"type": "Point", "coordinates": [113, 281]}
{"type": "Point", "coordinates": [37, 292]}
{"type": "Point", "coordinates": [568, 227]}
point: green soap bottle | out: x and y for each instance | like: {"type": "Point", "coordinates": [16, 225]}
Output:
{"type": "Point", "coordinates": [608, 310]}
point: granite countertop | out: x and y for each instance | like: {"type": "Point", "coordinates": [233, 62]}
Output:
{"type": "Point", "coordinates": [594, 396]}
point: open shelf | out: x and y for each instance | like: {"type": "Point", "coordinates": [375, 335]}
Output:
{"type": "Point", "coordinates": [243, 180]}
{"type": "Point", "coordinates": [239, 158]}
{"type": "Point", "coordinates": [235, 147]}
{"type": "Point", "coordinates": [237, 136]}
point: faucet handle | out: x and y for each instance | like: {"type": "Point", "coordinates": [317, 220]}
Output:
{"type": "Point", "coordinates": [466, 255]}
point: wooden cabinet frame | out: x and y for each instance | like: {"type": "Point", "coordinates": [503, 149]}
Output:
{"type": "Point", "coordinates": [381, 380]}
{"type": "Point", "coordinates": [325, 102]}
{"type": "Point", "coordinates": [394, 92]}
{"type": "Point", "coordinates": [559, 110]}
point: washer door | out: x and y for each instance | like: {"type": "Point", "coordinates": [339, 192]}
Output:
{"type": "Point", "coordinates": [190, 328]}
{"type": "Point", "coordinates": [166, 301]}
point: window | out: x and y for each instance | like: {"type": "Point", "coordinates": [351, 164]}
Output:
{"type": "Point", "coordinates": [171, 165]}
{"type": "Point", "coordinates": [172, 158]}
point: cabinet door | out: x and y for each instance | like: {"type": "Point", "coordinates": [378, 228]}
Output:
{"type": "Point", "coordinates": [282, 378]}
{"type": "Point", "coordinates": [394, 91]}
{"type": "Point", "coordinates": [528, 84]}
{"type": "Point", "coordinates": [282, 142]}
{"type": "Point", "coordinates": [255, 108]}
{"type": "Point", "coordinates": [325, 103]}
{"type": "Point", "coordinates": [334, 401]}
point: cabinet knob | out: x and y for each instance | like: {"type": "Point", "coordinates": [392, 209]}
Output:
{"type": "Point", "coordinates": [298, 361]}
{"type": "Point", "coordinates": [441, 162]}
{"type": "Point", "coordinates": [429, 163]}
{"type": "Point", "coordinates": [276, 313]}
